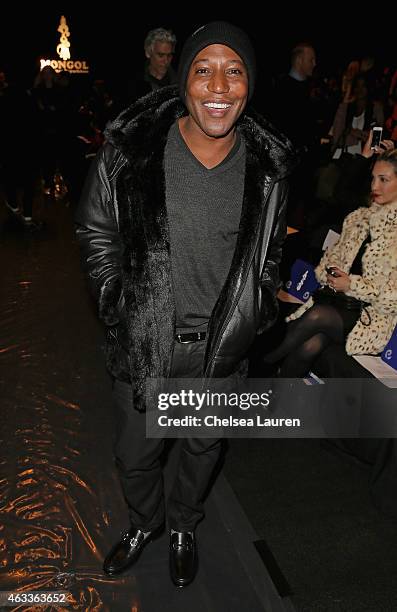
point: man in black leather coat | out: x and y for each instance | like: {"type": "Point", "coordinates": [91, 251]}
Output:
{"type": "Point", "coordinates": [181, 224]}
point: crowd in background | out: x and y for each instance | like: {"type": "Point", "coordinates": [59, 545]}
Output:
{"type": "Point", "coordinates": [52, 128]}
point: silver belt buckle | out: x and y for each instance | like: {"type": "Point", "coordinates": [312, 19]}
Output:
{"type": "Point", "coordinates": [179, 336]}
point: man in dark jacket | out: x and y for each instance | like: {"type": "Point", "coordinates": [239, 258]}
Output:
{"type": "Point", "coordinates": [158, 72]}
{"type": "Point", "coordinates": [293, 108]}
{"type": "Point", "coordinates": [294, 114]}
{"type": "Point", "coordinates": [181, 225]}
{"type": "Point", "coordinates": [19, 168]}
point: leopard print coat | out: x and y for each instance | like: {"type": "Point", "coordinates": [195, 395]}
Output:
{"type": "Point", "coordinates": [378, 283]}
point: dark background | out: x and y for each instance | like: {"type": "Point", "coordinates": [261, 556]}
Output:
{"type": "Point", "coordinates": [111, 38]}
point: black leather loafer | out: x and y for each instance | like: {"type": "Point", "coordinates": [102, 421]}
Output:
{"type": "Point", "coordinates": [124, 554]}
{"type": "Point", "coordinates": [183, 558]}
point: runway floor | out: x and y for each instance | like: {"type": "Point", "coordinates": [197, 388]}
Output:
{"type": "Point", "coordinates": [61, 506]}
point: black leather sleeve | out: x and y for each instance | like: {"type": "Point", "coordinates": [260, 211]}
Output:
{"type": "Point", "coordinates": [270, 279]}
{"type": "Point", "coordinates": [98, 234]}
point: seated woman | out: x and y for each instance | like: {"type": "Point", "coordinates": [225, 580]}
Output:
{"type": "Point", "coordinates": [361, 270]}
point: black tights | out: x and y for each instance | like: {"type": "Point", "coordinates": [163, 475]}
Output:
{"type": "Point", "coordinates": [306, 338]}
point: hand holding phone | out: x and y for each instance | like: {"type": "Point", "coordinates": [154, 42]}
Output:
{"type": "Point", "coordinates": [332, 271]}
{"type": "Point", "coordinates": [376, 136]}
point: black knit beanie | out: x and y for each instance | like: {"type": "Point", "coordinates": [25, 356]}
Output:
{"type": "Point", "coordinates": [221, 33]}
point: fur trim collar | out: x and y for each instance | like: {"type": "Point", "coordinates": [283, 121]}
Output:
{"type": "Point", "coordinates": [140, 133]}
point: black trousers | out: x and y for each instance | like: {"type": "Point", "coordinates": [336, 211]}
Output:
{"type": "Point", "coordinates": [139, 458]}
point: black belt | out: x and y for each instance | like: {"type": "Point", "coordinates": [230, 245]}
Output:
{"type": "Point", "coordinates": [192, 337]}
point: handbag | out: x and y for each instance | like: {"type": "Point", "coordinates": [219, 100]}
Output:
{"type": "Point", "coordinates": [326, 295]}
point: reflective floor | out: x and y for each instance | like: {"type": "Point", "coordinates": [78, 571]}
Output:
{"type": "Point", "coordinates": [61, 507]}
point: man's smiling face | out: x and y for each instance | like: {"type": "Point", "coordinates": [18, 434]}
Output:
{"type": "Point", "coordinates": [216, 90]}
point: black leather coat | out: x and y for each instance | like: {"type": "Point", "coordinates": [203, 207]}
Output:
{"type": "Point", "coordinates": [123, 231]}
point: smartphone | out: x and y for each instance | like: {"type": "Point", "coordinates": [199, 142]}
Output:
{"type": "Point", "coordinates": [331, 270]}
{"type": "Point", "coordinates": [376, 136]}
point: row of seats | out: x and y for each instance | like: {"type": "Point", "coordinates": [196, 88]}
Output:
{"type": "Point", "coordinates": [297, 290]}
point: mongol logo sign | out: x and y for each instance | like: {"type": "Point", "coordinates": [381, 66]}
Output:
{"type": "Point", "coordinates": [63, 50]}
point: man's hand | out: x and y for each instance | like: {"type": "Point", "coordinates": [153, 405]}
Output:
{"type": "Point", "coordinates": [359, 134]}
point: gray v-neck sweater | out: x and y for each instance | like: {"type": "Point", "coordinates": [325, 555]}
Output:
{"type": "Point", "coordinates": [204, 209]}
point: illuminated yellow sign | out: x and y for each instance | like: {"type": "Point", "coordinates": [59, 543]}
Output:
{"type": "Point", "coordinates": [76, 67]}
{"type": "Point", "coordinates": [63, 50]}
{"type": "Point", "coordinates": [64, 44]}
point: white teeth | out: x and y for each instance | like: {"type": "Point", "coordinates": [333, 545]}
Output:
{"type": "Point", "coordinates": [216, 105]}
